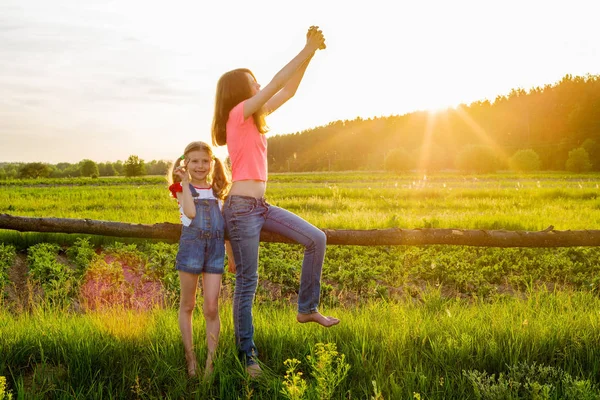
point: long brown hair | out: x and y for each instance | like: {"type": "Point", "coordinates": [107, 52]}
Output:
{"type": "Point", "coordinates": [232, 88]}
{"type": "Point", "coordinates": [219, 178]}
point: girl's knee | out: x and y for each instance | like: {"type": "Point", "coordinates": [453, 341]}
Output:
{"type": "Point", "coordinates": [247, 280]}
{"type": "Point", "coordinates": [211, 310]}
{"type": "Point", "coordinates": [319, 240]}
{"type": "Point", "coordinates": [187, 306]}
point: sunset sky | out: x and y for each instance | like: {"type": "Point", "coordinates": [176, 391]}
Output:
{"type": "Point", "coordinates": [106, 79]}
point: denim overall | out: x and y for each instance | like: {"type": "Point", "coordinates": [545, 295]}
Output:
{"type": "Point", "coordinates": [202, 244]}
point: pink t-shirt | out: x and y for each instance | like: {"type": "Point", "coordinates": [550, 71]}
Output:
{"type": "Point", "coordinates": [247, 147]}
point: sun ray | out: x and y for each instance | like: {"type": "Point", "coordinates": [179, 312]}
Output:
{"type": "Point", "coordinates": [425, 153]}
{"type": "Point", "coordinates": [482, 134]}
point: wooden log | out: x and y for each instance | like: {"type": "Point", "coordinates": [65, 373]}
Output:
{"type": "Point", "coordinates": [374, 237]}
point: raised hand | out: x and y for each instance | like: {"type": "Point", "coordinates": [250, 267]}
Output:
{"type": "Point", "coordinates": [314, 36]}
{"type": "Point", "coordinates": [182, 173]}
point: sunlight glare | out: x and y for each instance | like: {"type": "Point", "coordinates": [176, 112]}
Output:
{"type": "Point", "coordinates": [483, 135]}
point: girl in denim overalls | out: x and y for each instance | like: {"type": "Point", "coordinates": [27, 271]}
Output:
{"type": "Point", "coordinates": [240, 107]}
{"type": "Point", "coordinates": [199, 186]}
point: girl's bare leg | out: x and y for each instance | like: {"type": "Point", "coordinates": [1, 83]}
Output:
{"type": "Point", "coordinates": [211, 287]}
{"type": "Point", "coordinates": [188, 283]}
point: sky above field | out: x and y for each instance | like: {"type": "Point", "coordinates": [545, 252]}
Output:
{"type": "Point", "coordinates": [106, 79]}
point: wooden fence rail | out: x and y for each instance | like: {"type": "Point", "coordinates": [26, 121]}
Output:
{"type": "Point", "coordinates": [375, 237]}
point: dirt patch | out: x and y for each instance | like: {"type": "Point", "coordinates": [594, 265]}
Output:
{"type": "Point", "coordinates": [63, 259]}
{"type": "Point", "coordinates": [119, 281]}
{"type": "Point", "coordinates": [19, 292]}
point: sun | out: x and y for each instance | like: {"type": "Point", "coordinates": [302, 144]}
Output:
{"type": "Point", "coordinates": [441, 101]}
{"type": "Point", "coordinates": [440, 105]}
{"type": "Point", "coordinates": [435, 110]}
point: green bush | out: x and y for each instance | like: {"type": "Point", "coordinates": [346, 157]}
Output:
{"type": "Point", "coordinates": [161, 265]}
{"type": "Point", "coordinates": [81, 254]}
{"type": "Point", "coordinates": [88, 168]}
{"type": "Point", "coordinates": [524, 381]}
{"type": "Point", "coordinates": [328, 369]}
{"type": "Point", "coordinates": [593, 150]}
{"type": "Point", "coordinates": [398, 160]}
{"type": "Point", "coordinates": [280, 264]}
{"type": "Point", "coordinates": [478, 159]}
{"type": "Point", "coordinates": [525, 161]}
{"type": "Point", "coordinates": [56, 279]}
{"type": "Point", "coordinates": [578, 161]}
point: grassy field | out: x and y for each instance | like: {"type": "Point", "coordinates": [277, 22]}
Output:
{"type": "Point", "coordinates": [349, 201]}
{"type": "Point", "coordinates": [545, 346]}
{"type": "Point", "coordinates": [419, 322]}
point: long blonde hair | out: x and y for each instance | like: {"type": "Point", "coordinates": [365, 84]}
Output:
{"type": "Point", "coordinates": [220, 176]}
{"type": "Point", "coordinates": [232, 88]}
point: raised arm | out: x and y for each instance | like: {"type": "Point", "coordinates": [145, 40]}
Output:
{"type": "Point", "coordinates": [185, 198]}
{"type": "Point", "coordinates": [256, 103]}
{"type": "Point", "coordinates": [288, 91]}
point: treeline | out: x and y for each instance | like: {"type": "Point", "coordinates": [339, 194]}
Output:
{"type": "Point", "coordinates": [133, 166]}
{"type": "Point", "coordinates": [555, 127]}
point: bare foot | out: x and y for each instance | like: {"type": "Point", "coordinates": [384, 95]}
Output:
{"type": "Point", "coordinates": [254, 370]}
{"type": "Point", "coordinates": [192, 365]}
{"type": "Point", "coordinates": [318, 318]}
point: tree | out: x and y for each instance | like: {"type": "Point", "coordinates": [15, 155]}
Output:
{"type": "Point", "coordinates": [134, 166]}
{"type": "Point", "coordinates": [107, 169]}
{"type": "Point", "coordinates": [155, 167]}
{"type": "Point", "coordinates": [578, 161]}
{"type": "Point", "coordinates": [548, 119]}
{"type": "Point", "coordinates": [62, 166]}
{"type": "Point", "coordinates": [72, 171]}
{"type": "Point", "coordinates": [118, 166]}
{"type": "Point", "coordinates": [397, 160]}
{"type": "Point", "coordinates": [593, 150]}
{"type": "Point", "coordinates": [9, 171]}
{"type": "Point", "coordinates": [35, 170]}
{"type": "Point", "coordinates": [477, 158]}
{"type": "Point", "coordinates": [525, 161]}
{"type": "Point", "coordinates": [66, 170]}
{"type": "Point", "coordinates": [88, 168]}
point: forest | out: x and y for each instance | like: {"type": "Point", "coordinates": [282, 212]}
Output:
{"type": "Point", "coordinates": [550, 128]}
{"type": "Point", "coordinates": [551, 121]}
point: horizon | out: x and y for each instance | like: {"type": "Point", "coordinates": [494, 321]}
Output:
{"type": "Point", "coordinates": [126, 82]}
{"type": "Point", "coordinates": [433, 112]}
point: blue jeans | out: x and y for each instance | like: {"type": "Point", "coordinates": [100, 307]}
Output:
{"type": "Point", "coordinates": [244, 218]}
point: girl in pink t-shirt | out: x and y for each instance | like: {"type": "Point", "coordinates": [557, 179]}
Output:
{"type": "Point", "coordinates": [240, 107]}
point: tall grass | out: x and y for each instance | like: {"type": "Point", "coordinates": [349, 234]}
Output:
{"type": "Point", "coordinates": [347, 201]}
{"type": "Point", "coordinates": [431, 348]}
{"type": "Point", "coordinates": [430, 322]}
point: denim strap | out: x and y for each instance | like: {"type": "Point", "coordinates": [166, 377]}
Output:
{"type": "Point", "coordinates": [193, 190]}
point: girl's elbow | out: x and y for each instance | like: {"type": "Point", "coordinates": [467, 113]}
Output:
{"type": "Point", "coordinates": [289, 93]}
{"type": "Point", "coordinates": [191, 215]}
{"type": "Point", "coordinates": [278, 82]}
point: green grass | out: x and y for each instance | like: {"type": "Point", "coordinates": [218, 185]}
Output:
{"type": "Point", "coordinates": [351, 274]}
{"type": "Point", "coordinates": [83, 181]}
{"type": "Point", "coordinates": [428, 322]}
{"type": "Point", "coordinates": [346, 201]}
{"type": "Point", "coordinates": [428, 347]}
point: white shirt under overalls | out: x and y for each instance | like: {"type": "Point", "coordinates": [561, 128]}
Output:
{"type": "Point", "coordinates": [204, 193]}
